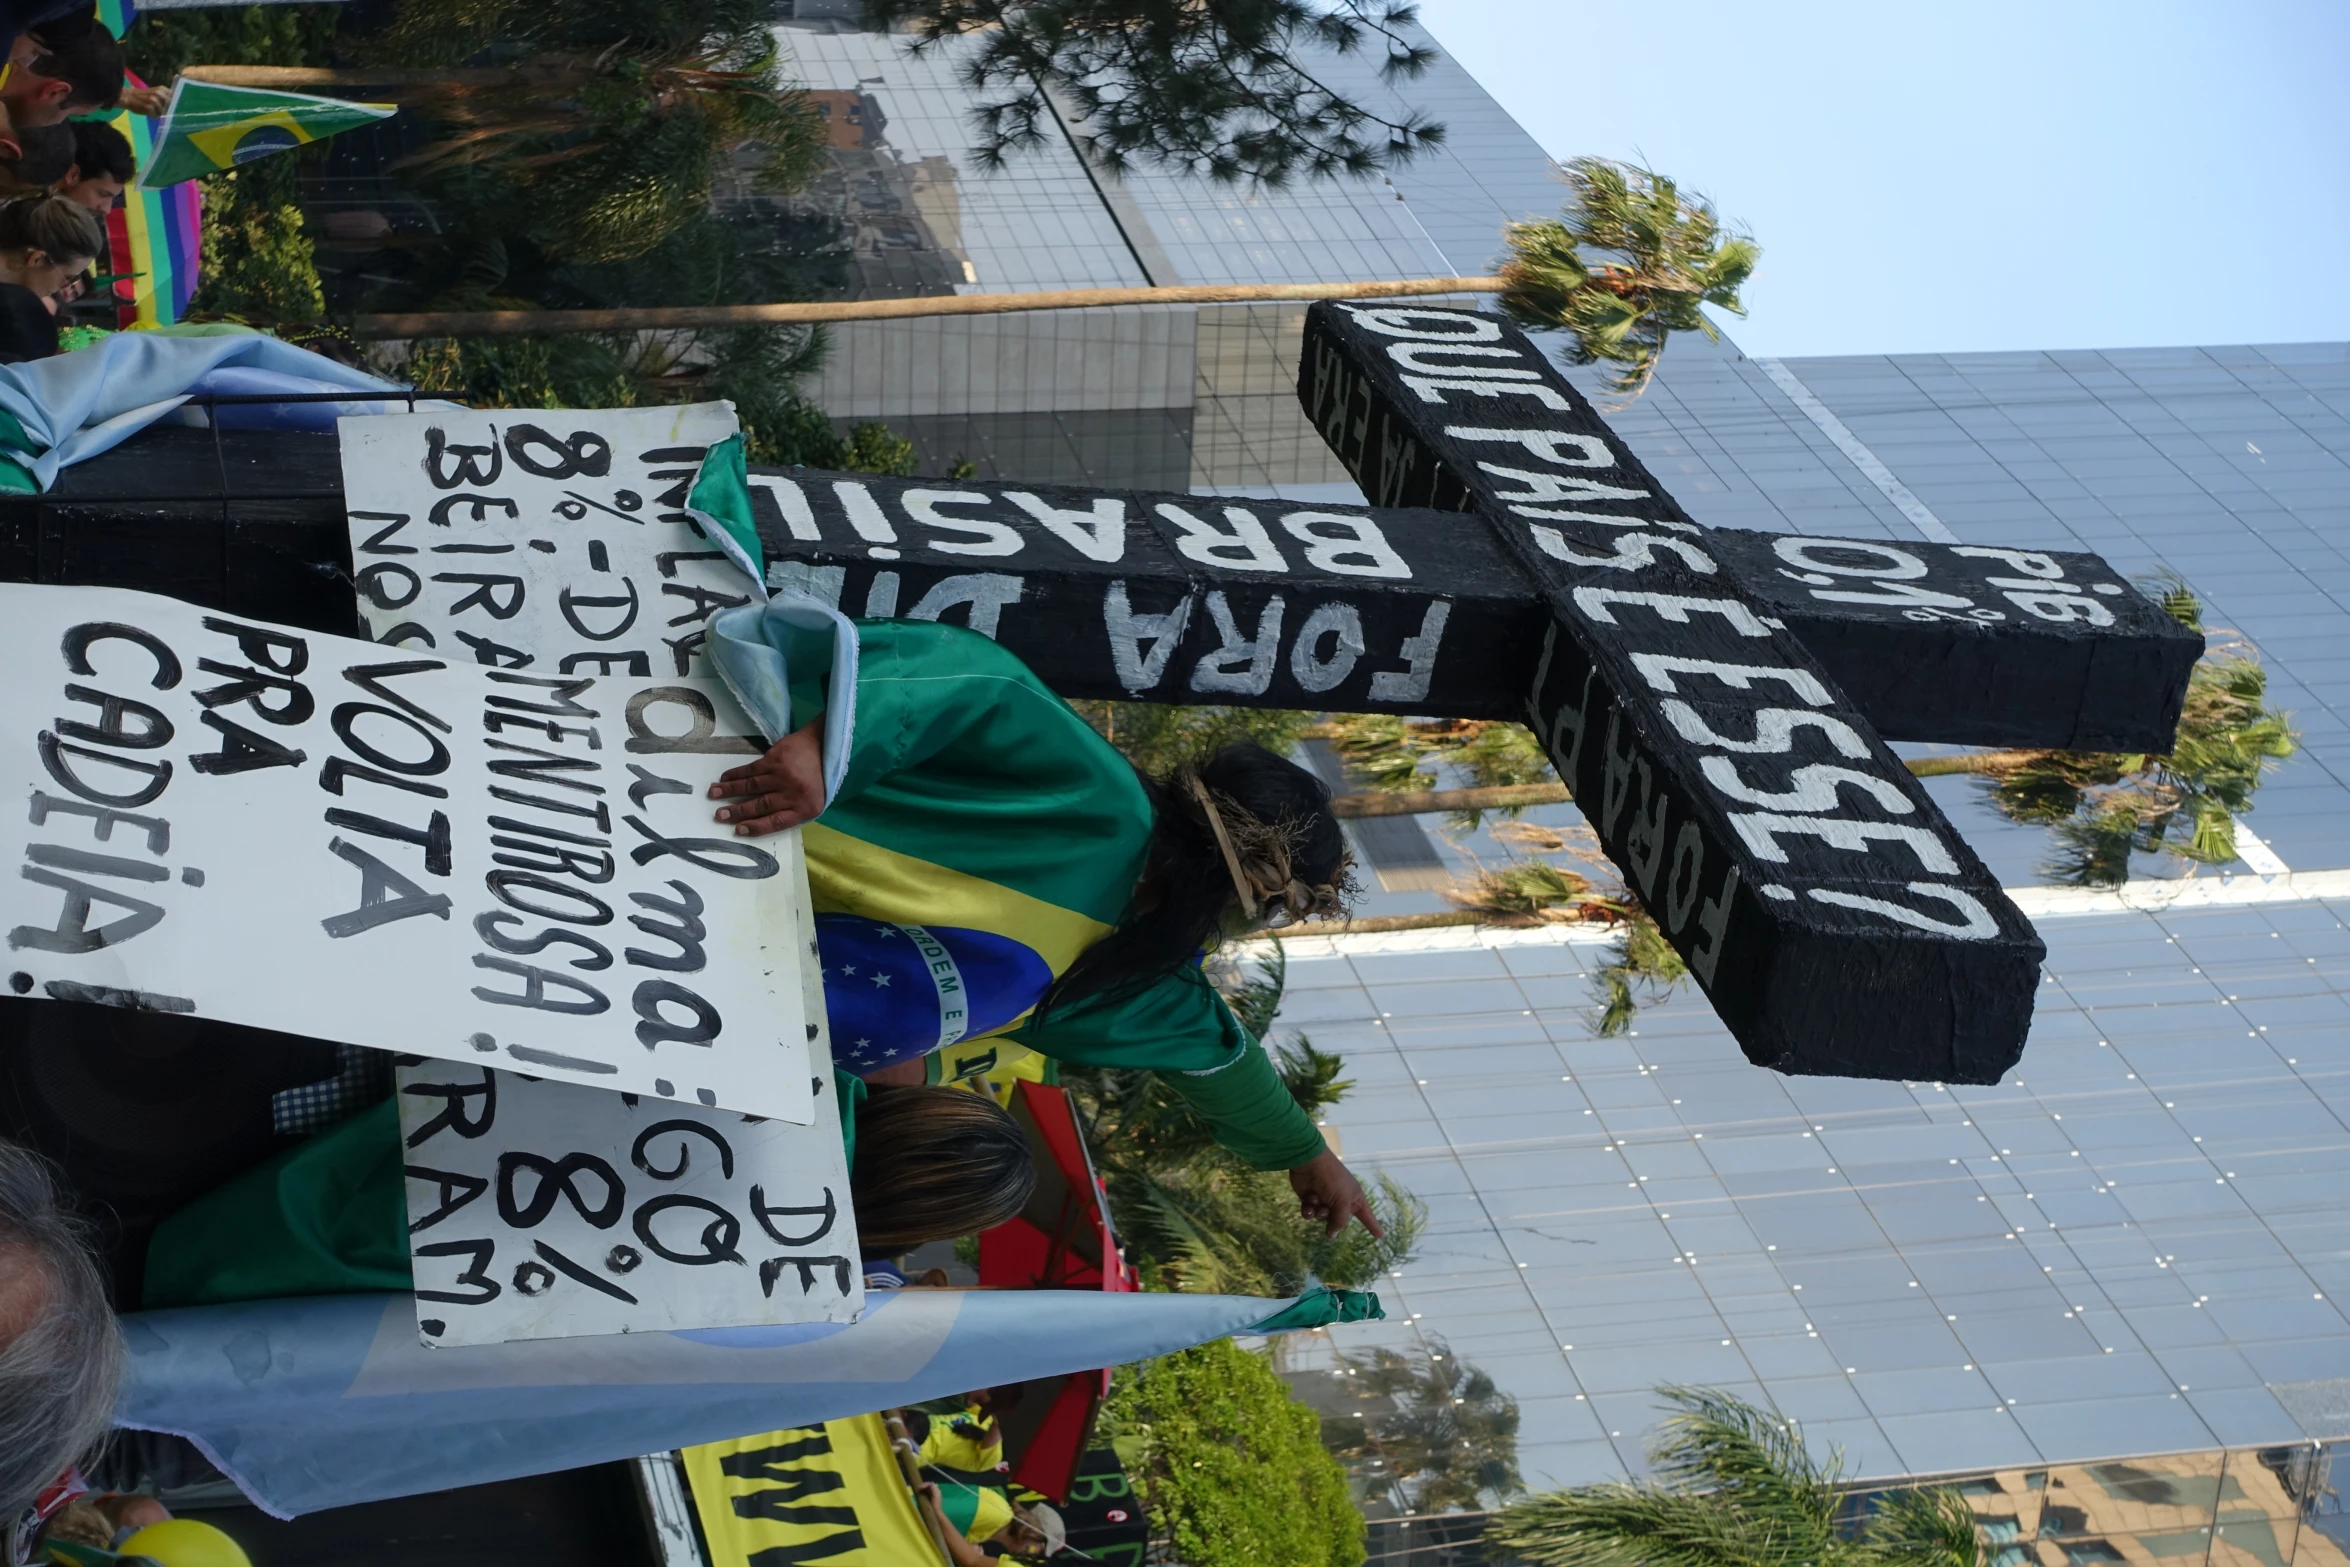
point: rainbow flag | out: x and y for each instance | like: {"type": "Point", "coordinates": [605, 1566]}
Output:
{"type": "Point", "coordinates": [158, 235]}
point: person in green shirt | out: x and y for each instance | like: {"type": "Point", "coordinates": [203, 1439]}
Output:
{"type": "Point", "coordinates": [999, 871]}
{"type": "Point", "coordinates": [329, 1216]}
{"type": "Point", "coordinates": [978, 1517]}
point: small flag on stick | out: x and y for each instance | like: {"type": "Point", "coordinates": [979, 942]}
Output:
{"type": "Point", "coordinates": [208, 127]}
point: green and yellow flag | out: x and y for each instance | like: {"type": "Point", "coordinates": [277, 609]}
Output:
{"type": "Point", "coordinates": [208, 127]}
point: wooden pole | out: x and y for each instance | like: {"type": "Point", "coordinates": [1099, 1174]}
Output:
{"type": "Point", "coordinates": [296, 76]}
{"type": "Point", "coordinates": [901, 1443]}
{"type": "Point", "coordinates": [512, 323]}
{"type": "Point", "coordinates": [1420, 802]}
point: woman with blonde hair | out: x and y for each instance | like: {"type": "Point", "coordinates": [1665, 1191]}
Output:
{"type": "Point", "coordinates": [46, 242]}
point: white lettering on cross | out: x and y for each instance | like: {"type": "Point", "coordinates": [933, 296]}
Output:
{"type": "Point", "coordinates": [792, 502]}
{"type": "Point", "coordinates": [1774, 731]}
{"type": "Point", "coordinates": [1242, 665]}
{"type": "Point", "coordinates": [1761, 829]}
{"type": "Point", "coordinates": [1358, 548]}
{"type": "Point", "coordinates": [1210, 545]}
{"type": "Point", "coordinates": [1554, 514]}
{"type": "Point", "coordinates": [1658, 669]}
{"type": "Point", "coordinates": [1419, 652]}
{"type": "Point", "coordinates": [2060, 607]}
{"type": "Point", "coordinates": [1888, 564]}
{"type": "Point", "coordinates": [1431, 390]}
{"type": "Point", "coordinates": [1549, 445]}
{"type": "Point", "coordinates": [1344, 628]}
{"type": "Point", "coordinates": [1414, 356]}
{"type": "Point", "coordinates": [1557, 486]}
{"type": "Point", "coordinates": [988, 537]}
{"type": "Point", "coordinates": [987, 593]}
{"type": "Point", "coordinates": [1139, 671]}
{"type": "Point", "coordinates": [1098, 533]}
{"type": "Point", "coordinates": [1633, 551]}
{"type": "Point", "coordinates": [1814, 787]}
{"type": "Point", "coordinates": [864, 512]}
{"type": "Point", "coordinates": [2032, 563]}
{"type": "Point", "coordinates": [1672, 607]}
{"type": "Point", "coordinates": [1394, 321]}
{"type": "Point", "coordinates": [1975, 921]}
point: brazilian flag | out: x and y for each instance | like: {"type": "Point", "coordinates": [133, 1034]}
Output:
{"type": "Point", "coordinates": [207, 127]}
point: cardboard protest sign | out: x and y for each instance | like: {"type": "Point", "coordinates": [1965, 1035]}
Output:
{"type": "Point", "coordinates": [550, 541]}
{"type": "Point", "coordinates": [548, 1257]}
{"type": "Point", "coordinates": [543, 1209]}
{"type": "Point", "coordinates": [333, 838]}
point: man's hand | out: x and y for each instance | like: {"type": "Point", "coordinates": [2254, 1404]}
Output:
{"type": "Point", "coordinates": [781, 789]}
{"type": "Point", "coordinates": [149, 101]}
{"type": "Point", "coordinates": [1327, 1190]}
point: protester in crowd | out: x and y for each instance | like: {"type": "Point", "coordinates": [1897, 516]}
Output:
{"type": "Point", "coordinates": [974, 806]}
{"type": "Point", "coordinates": [330, 1215]}
{"type": "Point", "coordinates": [60, 1352]}
{"type": "Point", "coordinates": [44, 154]}
{"type": "Point", "coordinates": [54, 75]}
{"type": "Point", "coordinates": [46, 244]}
{"type": "Point", "coordinates": [971, 1439]}
{"type": "Point", "coordinates": [980, 1516]}
{"type": "Point", "coordinates": [102, 165]}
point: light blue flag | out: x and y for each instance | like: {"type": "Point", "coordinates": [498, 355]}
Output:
{"type": "Point", "coordinates": [70, 407]}
{"type": "Point", "coordinates": [330, 1400]}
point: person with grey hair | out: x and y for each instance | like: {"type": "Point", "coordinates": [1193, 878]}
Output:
{"type": "Point", "coordinates": [61, 1354]}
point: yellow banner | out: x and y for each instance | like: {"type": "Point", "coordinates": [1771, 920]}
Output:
{"type": "Point", "coordinates": [825, 1496]}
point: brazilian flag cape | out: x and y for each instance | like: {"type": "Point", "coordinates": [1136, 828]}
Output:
{"type": "Point", "coordinates": [978, 836]}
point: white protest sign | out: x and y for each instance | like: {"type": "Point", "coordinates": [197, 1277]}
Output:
{"type": "Point", "coordinates": [548, 1210]}
{"type": "Point", "coordinates": [555, 541]}
{"type": "Point", "coordinates": [361, 843]}
{"type": "Point", "coordinates": [747, 1223]}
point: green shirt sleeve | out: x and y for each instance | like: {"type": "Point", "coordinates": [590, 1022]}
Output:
{"type": "Point", "coordinates": [1182, 1029]}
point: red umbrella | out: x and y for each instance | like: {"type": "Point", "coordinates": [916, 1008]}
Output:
{"type": "Point", "coordinates": [1063, 1239]}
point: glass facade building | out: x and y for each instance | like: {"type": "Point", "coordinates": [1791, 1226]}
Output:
{"type": "Point", "coordinates": [1167, 397]}
{"type": "Point", "coordinates": [2135, 1244]}
{"type": "Point", "coordinates": [2110, 1290]}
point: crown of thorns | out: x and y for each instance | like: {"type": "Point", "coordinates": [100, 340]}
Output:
{"type": "Point", "coordinates": [1260, 856]}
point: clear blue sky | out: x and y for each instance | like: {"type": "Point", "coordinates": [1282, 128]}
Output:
{"type": "Point", "coordinates": [1970, 174]}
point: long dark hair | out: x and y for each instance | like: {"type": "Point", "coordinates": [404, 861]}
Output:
{"type": "Point", "coordinates": [1186, 869]}
{"type": "Point", "coordinates": [935, 1163]}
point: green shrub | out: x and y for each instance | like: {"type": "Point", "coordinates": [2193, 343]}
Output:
{"type": "Point", "coordinates": [258, 264]}
{"type": "Point", "coordinates": [1231, 1468]}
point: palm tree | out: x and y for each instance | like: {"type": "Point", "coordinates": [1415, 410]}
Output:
{"type": "Point", "coordinates": [1439, 1434]}
{"type": "Point", "coordinates": [1655, 256]}
{"type": "Point", "coordinates": [1194, 1215]}
{"type": "Point", "coordinates": [1505, 765]}
{"type": "Point", "coordinates": [1736, 1487]}
{"type": "Point", "coordinates": [2103, 807]}
{"type": "Point", "coordinates": [1216, 1227]}
{"type": "Point", "coordinates": [1641, 965]}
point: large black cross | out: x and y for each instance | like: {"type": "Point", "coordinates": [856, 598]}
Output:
{"type": "Point", "coordinates": [1716, 701]}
